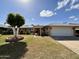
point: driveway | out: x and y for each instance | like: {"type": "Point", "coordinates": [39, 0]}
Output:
{"type": "Point", "coordinates": [71, 44]}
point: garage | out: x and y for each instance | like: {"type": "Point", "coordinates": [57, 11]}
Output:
{"type": "Point", "coordinates": [62, 31]}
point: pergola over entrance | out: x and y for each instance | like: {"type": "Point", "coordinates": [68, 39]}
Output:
{"type": "Point", "coordinates": [37, 29]}
{"type": "Point", "coordinates": [41, 30]}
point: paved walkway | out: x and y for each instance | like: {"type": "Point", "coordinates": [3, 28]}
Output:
{"type": "Point", "coordinates": [73, 45]}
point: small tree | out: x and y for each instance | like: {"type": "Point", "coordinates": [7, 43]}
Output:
{"type": "Point", "coordinates": [16, 21]}
{"type": "Point", "coordinates": [20, 22]}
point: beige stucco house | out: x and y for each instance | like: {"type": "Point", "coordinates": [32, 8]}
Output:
{"type": "Point", "coordinates": [59, 29]}
{"type": "Point", "coordinates": [51, 29]}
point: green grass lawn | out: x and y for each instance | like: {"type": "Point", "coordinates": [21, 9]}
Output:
{"type": "Point", "coordinates": [34, 48]}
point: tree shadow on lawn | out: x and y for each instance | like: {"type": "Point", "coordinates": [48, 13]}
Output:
{"type": "Point", "coordinates": [13, 50]}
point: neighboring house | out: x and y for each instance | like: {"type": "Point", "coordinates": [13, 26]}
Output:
{"type": "Point", "coordinates": [51, 29]}
{"type": "Point", "coordinates": [6, 29]}
{"type": "Point", "coordinates": [3, 29]}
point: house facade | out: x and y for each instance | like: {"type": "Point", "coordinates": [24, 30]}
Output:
{"type": "Point", "coordinates": [59, 30]}
{"type": "Point", "coordinates": [47, 30]}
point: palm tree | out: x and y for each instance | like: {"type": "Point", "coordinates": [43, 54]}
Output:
{"type": "Point", "coordinates": [15, 21]}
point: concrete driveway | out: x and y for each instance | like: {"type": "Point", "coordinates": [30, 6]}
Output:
{"type": "Point", "coordinates": [72, 45]}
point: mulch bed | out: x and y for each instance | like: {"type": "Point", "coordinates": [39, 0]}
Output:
{"type": "Point", "coordinates": [14, 39]}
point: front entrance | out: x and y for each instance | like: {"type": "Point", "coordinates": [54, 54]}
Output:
{"type": "Point", "coordinates": [37, 30]}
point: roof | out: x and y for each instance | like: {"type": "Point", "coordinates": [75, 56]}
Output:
{"type": "Point", "coordinates": [70, 24]}
{"type": "Point", "coordinates": [8, 26]}
{"type": "Point", "coordinates": [4, 26]}
{"type": "Point", "coordinates": [26, 26]}
{"type": "Point", "coordinates": [40, 26]}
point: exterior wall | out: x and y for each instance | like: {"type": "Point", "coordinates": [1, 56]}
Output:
{"type": "Point", "coordinates": [62, 31]}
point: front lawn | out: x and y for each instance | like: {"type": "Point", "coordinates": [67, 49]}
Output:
{"type": "Point", "coordinates": [34, 48]}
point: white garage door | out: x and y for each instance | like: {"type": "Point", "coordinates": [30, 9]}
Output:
{"type": "Point", "coordinates": [61, 31]}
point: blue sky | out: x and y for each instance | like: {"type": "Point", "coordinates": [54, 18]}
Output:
{"type": "Point", "coordinates": [41, 12]}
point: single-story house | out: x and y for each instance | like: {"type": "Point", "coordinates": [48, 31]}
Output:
{"type": "Point", "coordinates": [51, 29]}
{"type": "Point", "coordinates": [59, 29]}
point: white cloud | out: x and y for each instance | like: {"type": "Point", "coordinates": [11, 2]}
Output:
{"type": "Point", "coordinates": [76, 6]}
{"type": "Point", "coordinates": [61, 4]}
{"type": "Point", "coordinates": [73, 5]}
{"type": "Point", "coordinates": [73, 18]}
{"type": "Point", "coordinates": [47, 13]}
{"type": "Point", "coordinates": [72, 2]}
